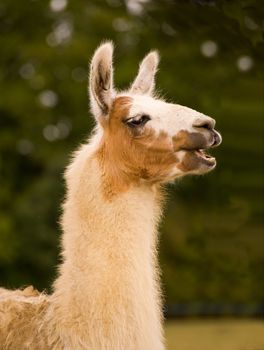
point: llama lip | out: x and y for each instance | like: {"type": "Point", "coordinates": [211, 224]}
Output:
{"type": "Point", "coordinates": [205, 158]}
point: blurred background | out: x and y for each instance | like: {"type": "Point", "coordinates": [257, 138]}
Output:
{"type": "Point", "coordinates": [212, 57]}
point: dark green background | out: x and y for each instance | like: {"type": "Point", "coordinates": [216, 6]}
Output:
{"type": "Point", "coordinates": [212, 243]}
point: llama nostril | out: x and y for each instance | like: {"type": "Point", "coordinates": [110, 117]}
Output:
{"type": "Point", "coordinates": [207, 123]}
{"type": "Point", "coordinates": [205, 126]}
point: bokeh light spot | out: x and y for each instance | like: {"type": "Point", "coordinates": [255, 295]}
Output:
{"type": "Point", "coordinates": [48, 98]}
{"type": "Point", "coordinates": [209, 48]}
{"type": "Point", "coordinates": [61, 130]}
{"type": "Point", "coordinates": [64, 127]}
{"type": "Point", "coordinates": [51, 132]}
{"type": "Point", "coordinates": [27, 71]}
{"type": "Point", "coordinates": [121, 25]}
{"type": "Point", "coordinates": [24, 147]}
{"type": "Point", "coordinates": [167, 29]}
{"type": "Point", "coordinates": [245, 63]}
{"type": "Point", "coordinates": [135, 7]}
{"type": "Point", "coordinates": [58, 5]}
{"type": "Point", "coordinates": [250, 23]}
{"type": "Point", "coordinates": [61, 34]}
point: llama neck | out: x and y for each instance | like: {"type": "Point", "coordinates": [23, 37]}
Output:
{"type": "Point", "coordinates": [109, 274]}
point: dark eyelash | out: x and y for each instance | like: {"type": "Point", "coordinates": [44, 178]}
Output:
{"type": "Point", "coordinates": [132, 122]}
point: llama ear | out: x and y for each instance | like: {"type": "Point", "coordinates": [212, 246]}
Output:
{"type": "Point", "coordinates": [101, 81]}
{"type": "Point", "coordinates": [145, 80]}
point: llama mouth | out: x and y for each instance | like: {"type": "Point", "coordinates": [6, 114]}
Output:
{"type": "Point", "coordinates": [205, 158]}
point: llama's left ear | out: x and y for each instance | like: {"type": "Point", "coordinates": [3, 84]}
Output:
{"type": "Point", "coordinates": [101, 81]}
{"type": "Point", "coordinates": [145, 80]}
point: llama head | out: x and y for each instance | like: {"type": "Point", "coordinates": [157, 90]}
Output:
{"type": "Point", "coordinates": [144, 137]}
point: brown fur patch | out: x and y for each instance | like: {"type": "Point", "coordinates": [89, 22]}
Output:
{"type": "Point", "coordinates": [189, 140]}
{"type": "Point", "coordinates": [126, 157]}
{"type": "Point", "coordinates": [189, 162]}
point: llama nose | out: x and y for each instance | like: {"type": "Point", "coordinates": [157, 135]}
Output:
{"type": "Point", "coordinates": [204, 122]}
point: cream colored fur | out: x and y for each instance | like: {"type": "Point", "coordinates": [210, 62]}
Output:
{"type": "Point", "coordinates": [107, 295]}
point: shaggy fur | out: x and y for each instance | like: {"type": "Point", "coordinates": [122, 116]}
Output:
{"type": "Point", "coordinates": [107, 295]}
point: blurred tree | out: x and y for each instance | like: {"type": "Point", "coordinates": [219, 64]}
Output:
{"type": "Point", "coordinates": [212, 244]}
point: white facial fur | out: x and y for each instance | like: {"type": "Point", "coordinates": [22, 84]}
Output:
{"type": "Point", "coordinates": [166, 117]}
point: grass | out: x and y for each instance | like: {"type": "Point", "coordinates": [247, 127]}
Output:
{"type": "Point", "coordinates": [223, 334]}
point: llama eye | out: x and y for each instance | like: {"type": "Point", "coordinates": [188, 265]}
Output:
{"type": "Point", "coordinates": [138, 122]}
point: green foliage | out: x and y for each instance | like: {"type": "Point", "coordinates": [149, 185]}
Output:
{"type": "Point", "coordinates": [212, 244]}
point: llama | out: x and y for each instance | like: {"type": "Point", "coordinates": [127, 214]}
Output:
{"type": "Point", "coordinates": [107, 295]}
